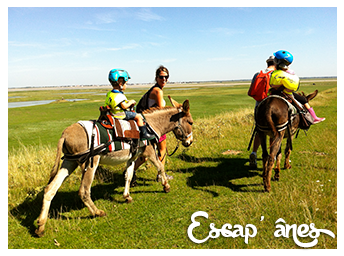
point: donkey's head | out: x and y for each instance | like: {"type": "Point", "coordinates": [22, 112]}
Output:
{"type": "Point", "coordinates": [309, 96]}
{"type": "Point", "coordinates": [184, 121]}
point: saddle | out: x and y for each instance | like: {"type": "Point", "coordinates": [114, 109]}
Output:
{"type": "Point", "coordinates": [108, 134]}
{"type": "Point", "coordinates": [306, 120]}
{"type": "Point", "coordinates": [122, 128]}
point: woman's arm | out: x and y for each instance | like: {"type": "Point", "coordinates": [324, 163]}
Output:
{"type": "Point", "coordinates": [157, 95]}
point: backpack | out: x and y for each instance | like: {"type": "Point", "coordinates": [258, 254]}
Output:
{"type": "Point", "coordinates": [260, 86]}
{"type": "Point", "coordinates": [143, 103]}
{"type": "Point", "coordinates": [306, 120]}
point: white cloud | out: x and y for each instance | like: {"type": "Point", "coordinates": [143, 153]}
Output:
{"type": "Point", "coordinates": [20, 44]}
{"type": "Point", "coordinates": [105, 18]}
{"type": "Point", "coordinates": [169, 60]}
{"type": "Point", "coordinates": [310, 31]}
{"type": "Point", "coordinates": [153, 60]}
{"type": "Point", "coordinates": [126, 47]}
{"type": "Point", "coordinates": [256, 46]}
{"type": "Point", "coordinates": [146, 14]}
{"type": "Point", "coordinates": [224, 31]}
{"type": "Point", "coordinates": [220, 59]}
{"type": "Point", "coordinates": [35, 57]}
{"type": "Point", "coordinates": [90, 26]}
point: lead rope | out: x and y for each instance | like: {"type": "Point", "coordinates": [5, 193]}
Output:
{"type": "Point", "coordinates": [174, 151]}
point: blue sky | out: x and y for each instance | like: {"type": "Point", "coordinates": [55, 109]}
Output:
{"type": "Point", "coordinates": [72, 46]}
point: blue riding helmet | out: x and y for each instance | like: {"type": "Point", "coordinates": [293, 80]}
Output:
{"type": "Point", "coordinates": [117, 73]}
{"type": "Point", "coordinates": [284, 55]}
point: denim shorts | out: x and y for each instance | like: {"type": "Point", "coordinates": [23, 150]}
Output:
{"type": "Point", "coordinates": [129, 115]}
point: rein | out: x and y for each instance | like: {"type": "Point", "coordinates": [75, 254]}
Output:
{"type": "Point", "coordinates": [174, 151]}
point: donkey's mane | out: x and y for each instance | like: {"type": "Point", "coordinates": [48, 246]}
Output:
{"type": "Point", "coordinates": [155, 109]}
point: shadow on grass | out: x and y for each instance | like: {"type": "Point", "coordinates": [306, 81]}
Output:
{"type": "Point", "coordinates": [224, 174]}
{"type": "Point", "coordinates": [66, 201]}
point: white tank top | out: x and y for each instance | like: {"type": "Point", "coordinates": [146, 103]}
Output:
{"type": "Point", "coordinates": [151, 102]}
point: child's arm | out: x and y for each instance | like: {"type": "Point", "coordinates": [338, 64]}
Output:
{"type": "Point", "coordinates": [127, 104]}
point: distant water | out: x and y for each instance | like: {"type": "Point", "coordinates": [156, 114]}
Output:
{"type": "Point", "coordinates": [34, 103]}
{"type": "Point", "coordinates": [181, 89]}
{"type": "Point", "coordinates": [95, 93]}
{"type": "Point", "coordinates": [15, 97]}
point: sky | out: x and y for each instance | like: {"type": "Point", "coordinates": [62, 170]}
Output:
{"type": "Point", "coordinates": [55, 46]}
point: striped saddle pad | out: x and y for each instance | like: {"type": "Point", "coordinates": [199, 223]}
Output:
{"type": "Point", "coordinates": [119, 137]}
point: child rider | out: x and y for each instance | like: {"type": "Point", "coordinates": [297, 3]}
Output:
{"type": "Point", "coordinates": [120, 105]}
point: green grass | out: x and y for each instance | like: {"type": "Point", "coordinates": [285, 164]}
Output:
{"type": "Point", "coordinates": [205, 179]}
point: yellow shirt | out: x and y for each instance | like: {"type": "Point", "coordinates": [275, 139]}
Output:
{"type": "Point", "coordinates": [290, 82]}
{"type": "Point", "coordinates": [114, 99]}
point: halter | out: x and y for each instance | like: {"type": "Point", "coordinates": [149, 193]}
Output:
{"type": "Point", "coordinates": [179, 126]}
{"type": "Point", "coordinates": [184, 137]}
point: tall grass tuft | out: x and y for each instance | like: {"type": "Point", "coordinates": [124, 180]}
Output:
{"type": "Point", "coordinates": [28, 170]}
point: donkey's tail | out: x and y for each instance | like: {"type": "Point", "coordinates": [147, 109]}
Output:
{"type": "Point", "coordinates": [57, 159]}
{"type": "Point", "coordinates": [272, 126]}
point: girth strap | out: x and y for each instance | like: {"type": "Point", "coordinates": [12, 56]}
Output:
{"type": "Point", "coordinates": [279, 127]}
{"type": "Point", "coordinates": [86, 155]}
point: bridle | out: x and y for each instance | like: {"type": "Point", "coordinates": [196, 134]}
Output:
{"type": "Point", "coordinates": [184, 137]}
{"type": "Point", "coordinates": [180, 128]}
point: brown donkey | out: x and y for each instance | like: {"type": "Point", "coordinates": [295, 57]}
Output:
{"type": "Point", "coordinates": [74, 140]}
{"type": "Point", "coordinates": [274, 118]}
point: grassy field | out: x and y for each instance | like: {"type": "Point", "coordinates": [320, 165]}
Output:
{"type": "Point", "coordinates": [212, 176]}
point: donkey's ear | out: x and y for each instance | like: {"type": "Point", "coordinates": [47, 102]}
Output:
{"type": "Point", "coordinates": [186, 106]}
{"type": "Point", "coordinates": [311, 96]}
{"type": "Point", "coordinates": [173, 102]}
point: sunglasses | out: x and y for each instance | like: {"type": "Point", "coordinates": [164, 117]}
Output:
{"type": "Point", "coordinates": [162, 77]}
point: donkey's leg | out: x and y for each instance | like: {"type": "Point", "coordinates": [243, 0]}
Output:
{"type": "Point", "coordinates": [49, 192]}
{"type": "Point", "coordinates": [262, 137]}
{"type": "Point", "coordinates": [128, 176]}
{"type": "Point", "coordinates": [287, 153]}
{"type": "Point", "coordinates": [159, 165]}
{"type": "Point", "coordinates": [85, 188]}
{"type": "Point", "coordinates": [271, 159]}
{"type": "Point", "coordinates": [278, 164]}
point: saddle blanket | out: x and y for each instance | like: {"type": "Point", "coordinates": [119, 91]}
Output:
{"type": "Point", "coordinates": [123, 128]}
{"type": "Point", "coordinates": [103, 136]}
{"type": "Point", "coordinates": [291, 107]}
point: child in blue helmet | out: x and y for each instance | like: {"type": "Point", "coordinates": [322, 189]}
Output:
{"type": "Point", "coordinates": [283, 76]}
{"type": "Point", "coordinates": [120, 105]}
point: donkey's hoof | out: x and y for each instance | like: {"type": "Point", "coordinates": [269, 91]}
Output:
{"type": "Point", "coordinates": [100, 213]}
{"type": "Point", "coordinates": [129, 200]}
{"type": "Point", "coordinates": [267, 189]}
{"type": "Point", "coordinates": [167, 188]}
{"type": "Point", "coordinates": [276, 178]}
{"type": "Point", "coordinates": [39, 233]}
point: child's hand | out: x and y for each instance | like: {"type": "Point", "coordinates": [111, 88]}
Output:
{"type": "Point", "coordinates": [132, 103]}
{"type": "Point", "coordinates": [128, 104]}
